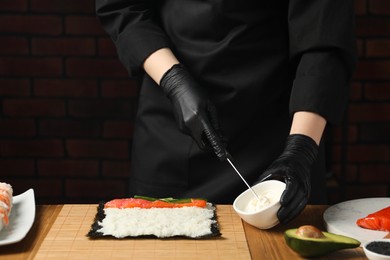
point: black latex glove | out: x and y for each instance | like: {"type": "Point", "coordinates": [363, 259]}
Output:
{"type": "Point", "coordinates": [193, 111]}
{"type": "Point", "coordinates": [293, 167]}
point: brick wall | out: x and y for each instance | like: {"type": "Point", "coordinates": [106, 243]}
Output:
{"type": "Point", "coordinates": [361, 160]}
{"type": "Point", "coordinates": [67, 105]}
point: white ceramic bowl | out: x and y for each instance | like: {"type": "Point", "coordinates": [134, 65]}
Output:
{"type": "Point", "coordinates": [265, 217]}
{"type": "Point", "coordinates": [373, 255]}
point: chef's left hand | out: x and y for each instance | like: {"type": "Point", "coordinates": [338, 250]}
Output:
{"type": "Point", "coordinates": [293, 167]}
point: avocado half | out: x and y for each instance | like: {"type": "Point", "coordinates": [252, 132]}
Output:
{"type": "Point", "coordinates": [314, 247]}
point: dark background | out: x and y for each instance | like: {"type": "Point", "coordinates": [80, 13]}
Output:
{"type": "Point", "coordinates": [67, 106]}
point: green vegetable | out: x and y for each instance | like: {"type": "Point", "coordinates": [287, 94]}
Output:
{"type": "Point", "coordinates": [307, 245]}
{"type": "Point", "coordinates": [169, 200]}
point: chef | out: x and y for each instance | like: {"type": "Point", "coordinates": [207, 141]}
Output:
{"type": "Point", "coordinates": [252, 81]}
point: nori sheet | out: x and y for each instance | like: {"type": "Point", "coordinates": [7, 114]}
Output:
{"type": "Point", "coordinates": [100, 215]}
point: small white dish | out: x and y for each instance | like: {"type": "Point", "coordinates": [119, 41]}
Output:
{"type": "Point", "coordinates": [21, 218]}
{"type": "Point", "coordinates": [376, 255]}
{"type": "Point", "coordinates": [265, 217]}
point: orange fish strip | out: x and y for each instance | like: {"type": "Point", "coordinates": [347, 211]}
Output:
{"type": "Point", "coordinates": [146, 204]}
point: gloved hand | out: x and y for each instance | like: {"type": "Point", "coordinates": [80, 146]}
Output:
{"type": "Point", "coordinates": [193, 111]}
{"type": "Point", "coordinates": [293, 167]}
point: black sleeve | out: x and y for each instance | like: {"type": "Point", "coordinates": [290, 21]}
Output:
{"type": "Point", "coordinates": [322, 44]}
{"type": "Point", "coordinates": [133, 26]}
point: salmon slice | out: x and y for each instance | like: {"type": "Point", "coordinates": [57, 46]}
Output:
{"type": "Point", "coordinates": [4, 216]}
{"type": "Point", "coordinates": [146, 204]}
{"type": "Point", "coordinates": [6, 200]}
{"type": "Point", "coordinates": [379, 220]}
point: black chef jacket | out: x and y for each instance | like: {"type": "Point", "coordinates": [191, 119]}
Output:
{"type": "Point", "coordinates": [259, 62]}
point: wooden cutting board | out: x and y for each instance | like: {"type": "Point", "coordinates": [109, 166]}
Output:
{"type": "Point", "coordinates": [67, 240]}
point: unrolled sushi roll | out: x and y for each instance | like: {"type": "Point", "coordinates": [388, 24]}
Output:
{"type": "Point", "coordinates": [5, 203]}
{"type": "Point", "coordinates": [151, 217]}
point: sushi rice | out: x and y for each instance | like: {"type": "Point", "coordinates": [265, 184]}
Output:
{"type": "Point", "coordinates": [190, 222]}
{"type": "Point", "coordinates": [6, 192]}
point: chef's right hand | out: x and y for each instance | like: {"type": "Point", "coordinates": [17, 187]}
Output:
{"type": "Point", "coordinates": [194, 112]}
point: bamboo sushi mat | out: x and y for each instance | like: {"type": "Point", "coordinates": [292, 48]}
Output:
{"type": "Point", "coordinates": [67, 240]}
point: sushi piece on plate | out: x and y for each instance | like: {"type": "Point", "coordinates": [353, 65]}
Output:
{"type": "Point", "coordinates": [5, 203]}
{"type": "Point", "coordinates": [379, 220]}
{"type": "Point", "coordinates": [151, 217]}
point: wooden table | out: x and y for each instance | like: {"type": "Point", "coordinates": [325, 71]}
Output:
{"type": "Point", "coordinates": [53, 236]}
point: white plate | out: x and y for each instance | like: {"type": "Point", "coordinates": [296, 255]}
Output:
{"type": "Point", "coordinates": [21, 218]}
{"type": "Point", "coordinates": [341, 218]}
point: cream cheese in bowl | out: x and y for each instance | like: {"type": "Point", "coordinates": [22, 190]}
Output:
{"type": "Point", "coordinates": [261, 212]}
{"type": "Point", "coordinates": [257, 204]}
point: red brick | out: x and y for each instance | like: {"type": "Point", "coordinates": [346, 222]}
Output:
{"type": "Point", "coordinates": [17, 128]}
{"type": "Point", "coordinates": [371, 70]}
{"type": "Point", "coordinates": [33, 107]}
{"type": "Point", "coordinates": [114, 169]}
{"type": "Point", "coordinates": [68, 6]}
{"type": "Point", "coordinates": [106, 47]}
{"type": "Point", "coordinates": [360, 7]}
{"type": "Point", "coordinates": [83, 25]}
{"type": "Point", "coordinates": [13, 5]}
{"type": "Point", "coordinates": [77, 67]}
{"type": "Point", "coordinates": [42, 188]}
{"type": "Point", "coordinates": [53, 200]}
{"type": "Point", "coordinates": [368, 153]}
{"type": "Point", "coordinates": [14, 87]}
{"type": "Point", "coordinates": [69, 128]}
{"type": "Point", "coordinates": [63, 46]}
{"type": "Point", "coordinates": [355, 91]}
{"type": "Point", "coordinates": [31, 24]}
{"type": "Point", "coordinates": [360, 45]}
{"type": "Point", "coordinates": [99, 189]}
{"type": "Point", "coordinates": [334, 196]}
{"type": "Point", "coordinates": [357, 191]}
{"type": "Point", "coordinates": [351, 172]}
{"type": "Point", "coordinates": [13, 45]}
{"type": "Point", "coordinates": [17, 168]}
{"type": "Point", "coordinates": [25, 67]}
{"type": "Point", "coordinates": [65, 88]}
{"type": "Point", "coordinates": [337, 154]}
{"type": "Point", "coordinates": [378, 173]}
{"type": "Point", "coordinates": [48, 187]}
{"type": "Point", "coordinates": [367, 112]}
{"type": "Point", "coordinates": [101, 108]}
{"type": "Point", "coordinates": [32, 148]}
{"type": "Point", "coordinates": [372, 26]}
{"type": "Point", "coordinates": [381, 7]}
{"type": "Point", "coordinates": [378, 91]}
{"type": "Point", "coordinates": [68, 168]}
{"type": "Point", "coordinates": [120, 88]}
{"type": "Point", "coordinates": [118, 129]}
{"type": "Point", "coordinates": [98, 149]}
{"type": "Point", "coordinates": [378, 47]}
{"type": "Point", "coordinates": [378, 133]}
{"type": "Point", "coordinates": [352, 134]}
